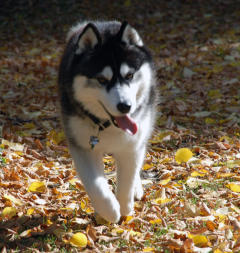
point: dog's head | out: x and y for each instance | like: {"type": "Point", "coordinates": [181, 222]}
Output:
{"type": "Point", "coordinates": [111, 71]}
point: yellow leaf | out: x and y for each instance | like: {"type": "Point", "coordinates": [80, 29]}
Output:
{"type": "Point", "coordinates": [73, 181]}
{"type": "Point", "coordinates": [9, 212]}
{"type": "Point", "coordinates": [128, 218]}
{"type": "Point", "coordinates": [30, 211]}
{"type": "Point", "coordinates": [183, 155]}
{"type": "Point", "coordinates": [12, 145]}
{"type": "Point", "coordinates": [156, 221]}
{"type": "Point", "coordinates": [234, 187]}
{"type": "Point", "coordinates": [148, 249]}
{"type": "Point", "coordinates": [37, 186]}
{"type": "Point", "coordinates": [217, 68]}
{"type": "Point", "coordinates": [85, 206]}
{"type": "Point", "coordinates": [135, 233]}
{"type": "Point", "coordinates": [108, 160]}
{"type": "Point", "coordinates": [127, 3]}
{"type": "Point", "coordinates": [117, 231]}
{"type": "Point", "coordinates": [19, 153]}
{"type": "Point", "coordinates": [210, 121]}
{"type": "Point", "coordinates": [226, 138]}
{"type": "Point", "coordinates": [26, 233]}
{"type": "Point", "coordinates": [29, 125]}
{"type": "Point", "coordinates": [56, 137]}
{"type": "Point", "coordinates": [199, 240]}
{"type": "Point", "coordinates": [147, 166]}
{"type": "Point", "coordinates": [165, 160]}
{"type": "Point", "coordinates": [223, 175]}
{"type": "Point", "coordinates": [138, 205]}
{"type": "Point", "coordinates": [161, 201]}
{"type": "Point", "coordinates": [13, 199]}
{"type": "Point", "coordinates": [214, 93]}
{"type": "Point", "coordinates": [221, 217]}
{"type": "Point", "coordinates": [217, 251]}
{"type": "Point", "coordinates": [165, 181]}
{"type": "Point", "coordinates": [48, 222]}
{"type": "Point", "coordinates": [232, 164]}
{"type": "Point", "coordinates": [79, 240]}
{"type": "Point", "coordinates": [197, 174]}
{"type": "Point", "coordinates": [203, 171]}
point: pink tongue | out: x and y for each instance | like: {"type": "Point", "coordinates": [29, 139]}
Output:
{"type": "Point", "coordinates": [127, 124]}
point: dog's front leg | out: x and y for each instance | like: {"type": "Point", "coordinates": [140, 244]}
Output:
{"type": "Point", "coordinates": [128, 179]}
{"type": "Point", "coordinates": [90, 169]}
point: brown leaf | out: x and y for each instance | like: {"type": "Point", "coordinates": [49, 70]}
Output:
{"type": "Point", "coordinates": [211, 225]}
{"type": "Point", "coordinates": [92, 233]}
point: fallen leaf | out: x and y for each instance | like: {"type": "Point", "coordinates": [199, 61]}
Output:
{"type": "Point", "coordinates": [161, 201]}
{"type": "Point", "coordinates": [30, 211]}
{"type": "Point", "coordinates": [210, 121]}
{"type": "Point", "coordinates": [135, 233]}
{"type": "Point", "coordinates": [211, 225]}
{"type": "Point", "coordinates": [9, 212]}
{"type": "Point", "coordinates": [84, 204]}
{"type": "Point", "coordinates": [199, 240]}
{"type": "Point", "coordinates": [79, 240]}
{"type": "Point", "coordinates": [13, 199]}
{"type": "Point", "coordinates": [128, 218]}
{"type": "Point", "coordinates": [147, 166]}
{"type": "Point", "coordinates": [223, 175]}
{"type": "Point", "coordinates": [40, 201]}
{"type": "Point", "coordinates": [117, 231]}
{"type": "Point", "coordinates": [234, 187]}
{"type": "Point", "coordinates": [37, 186]}
{"type": "Point", "coordinates": [156, 221]}
{"type": "Point", "coordinates": [197, 174]}
{"type": "Point", "coordinates": [183, 155]}
{"type": "Point", "coordinates": [217, 251]}
{"type": "Point", "coordinates": [26, 233]}
{"type": "Point", "coordinates": [214, 93]}
{"type": "Point", "coordinates": [165, 181]}
{"type": "Point", "coordinates": [148, 249]}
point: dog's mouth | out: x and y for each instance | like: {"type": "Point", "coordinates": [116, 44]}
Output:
{"type": "Point", "coordinates": [126, 123]}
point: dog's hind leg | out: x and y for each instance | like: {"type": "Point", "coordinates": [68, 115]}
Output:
{"type": "Point", "coordinates": [90, 169]}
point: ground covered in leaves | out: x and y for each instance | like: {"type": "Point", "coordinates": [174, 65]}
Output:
{"type": "Point", "coordinates": [191, 201]}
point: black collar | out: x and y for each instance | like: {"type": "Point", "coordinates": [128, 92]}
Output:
{"type": "Point", "coordinates": [97, 121]}
{"type": "Point", "coordinates": [102, 125]}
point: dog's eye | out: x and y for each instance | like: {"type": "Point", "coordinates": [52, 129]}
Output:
{"type": "Point", "coordinates": [129, 77]}
{"type": "Point", "coordinates": [102, 80]}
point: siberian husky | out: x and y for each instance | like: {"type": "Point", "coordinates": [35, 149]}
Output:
{"type": "Point", "coordinates": [108, 98]}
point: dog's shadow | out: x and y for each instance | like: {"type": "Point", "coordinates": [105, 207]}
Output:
{"type": "Point", "coordinates": [25, 231]}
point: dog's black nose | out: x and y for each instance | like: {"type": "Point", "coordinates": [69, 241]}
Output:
{"type": "Point", "coordinates": [124, 107]}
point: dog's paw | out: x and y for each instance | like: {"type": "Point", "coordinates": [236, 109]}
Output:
{"type": "Point", "coordinates": [109, 209]}
{"type": "Point", "coordinates": [138, 192]}
{"type": "Point", "coordinates": [112, 216]}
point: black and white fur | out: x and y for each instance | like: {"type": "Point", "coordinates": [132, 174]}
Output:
{"type": "Point", "coordinates": [105, 64]}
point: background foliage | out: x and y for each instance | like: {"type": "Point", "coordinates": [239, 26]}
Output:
{"type": "Point", "coordinates": [191, 201]}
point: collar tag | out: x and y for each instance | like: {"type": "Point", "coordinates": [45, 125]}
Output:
{"type": "Point", "coordinates": [93, 141]}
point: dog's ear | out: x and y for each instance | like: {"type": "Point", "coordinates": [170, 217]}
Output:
{"type": "Point", "coordinates": [88, 39]}
{"type": "Point", "coordinates": [129, 35]}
